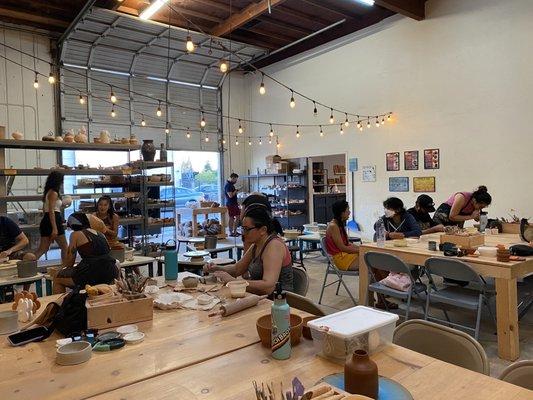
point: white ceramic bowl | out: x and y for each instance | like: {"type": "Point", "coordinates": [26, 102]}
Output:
{"type": "Point", "coordinates": [487, 251]}
{"type": "Point", "coordinates": [125, 329]}
{"type": "Point", "coordinates": [134, 337]}
{"type": "Point", "coordinates": [237, 288]}
{"type": "Point", "coordinates": [8, 322]}
{"type": "Point", "coordinates": [74, 353]}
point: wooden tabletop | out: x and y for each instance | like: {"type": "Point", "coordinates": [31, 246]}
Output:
{"type": "Point", "coordinates": [230, 376]}
{"type": "Point", "coordinates": [137, 260]}
{"type": "Point", "coordinates": [174, 339]}
{"type": "Point", "coordinates": [13, 280]}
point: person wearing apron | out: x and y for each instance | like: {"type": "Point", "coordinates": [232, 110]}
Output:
{"type": "Point", "coordinates": [267, 260]}
{"type": "Point", "coordinates": [96, 265]}
{"type": "Point", "coordinates": [462, 206]}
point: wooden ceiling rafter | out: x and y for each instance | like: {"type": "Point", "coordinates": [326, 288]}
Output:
{"type": "Point", "coordinates": [410, 8]}
{"type": "Point", "coordinates": [41, 19]}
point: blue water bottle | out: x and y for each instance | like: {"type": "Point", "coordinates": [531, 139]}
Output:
{"type": "Point", "coordinates": [281, 326]}
{"type": "Point", "coordinates": [171, 261]}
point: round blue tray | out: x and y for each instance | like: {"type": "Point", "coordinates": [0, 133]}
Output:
{"type": "Point", "coordinates": [388, 389]}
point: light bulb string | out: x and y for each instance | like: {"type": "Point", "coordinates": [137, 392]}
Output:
{"type": "Point", "coordinates": [159, 101]}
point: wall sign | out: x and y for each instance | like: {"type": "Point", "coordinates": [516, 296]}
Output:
{"type": "Point", "coordinates": [424, 184]}
{"type": "Point", "coordinates": [352, 164]}
{"type": "Point", "coordinates": [431, 159]}
{"type": "Point", "coordinates": [369, 173]}
{"type": "Point", "coordinates": [398, 184]}
{"type": "Point", "coordinates": [410, 160]}
{"type": "Point", "coordinates": [393, 161]}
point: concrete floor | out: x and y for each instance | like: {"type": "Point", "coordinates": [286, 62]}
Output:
{"type": "Point", "coordinates": [315, 265]}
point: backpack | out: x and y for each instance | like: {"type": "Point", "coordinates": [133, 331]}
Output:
{"type": "Point", "coordinates": [72, 315]}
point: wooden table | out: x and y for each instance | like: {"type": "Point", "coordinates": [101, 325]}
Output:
{"type": "Point", "coordinates": [15, 280]}
{"type": "Point", "coordinates": [139, 261]}
{"type": "Point", "coordinates": [230, 376]}
{"type": "Point", "coordinates": [505, 274]}
{"type": "Point", "coordinates": [174, 339]}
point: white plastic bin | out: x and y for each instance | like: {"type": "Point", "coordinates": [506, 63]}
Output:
{"type": "Point", "coordinates": [337, 335]}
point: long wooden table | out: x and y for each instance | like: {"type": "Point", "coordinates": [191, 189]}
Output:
{"type": "Point", "coordinates": [230, 377]}
{"type": "Point", "coordinates": [505, 274]}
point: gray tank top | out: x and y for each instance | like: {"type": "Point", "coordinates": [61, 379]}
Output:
{"type": "Point", "coordinates": [255, 269]}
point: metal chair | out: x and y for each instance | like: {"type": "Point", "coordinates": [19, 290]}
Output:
{"type": "Point", "coordinates": [332, 269]}
{"type": "Point", "coordinates": [304, 304]}
{"type": "Point", "coordinates": [300, 281]}
{"type": "Point", "coordinates": [391, 263]}
{"type": "Point", "coordinates": [469, 298]}
{"type": "Point", "coordinates": [519, 373]}
{"type": "Point", "coordinates": [441, 342]}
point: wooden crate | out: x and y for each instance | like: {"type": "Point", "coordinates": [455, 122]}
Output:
{"type": "Point", "coordinates": [127, 312]}
{"type": "Point", "coordinates": [464, 241]}
{"type": "Point", "coordinates": [508, 227]}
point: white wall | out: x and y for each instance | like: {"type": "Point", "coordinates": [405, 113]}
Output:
{"type": "Point", "coordinates": [460, 81]}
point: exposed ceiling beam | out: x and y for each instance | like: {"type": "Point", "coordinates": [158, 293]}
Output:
{"type": "Point", "coordinates": [192, 13]}
{"type": "Point", "coordinates": [280, 24]}
{"type": "Point", "coordinates": [39, 19]}
{"type": "Point", "coordinates": [329, 8]}
{"type": "Point", "coordinates": [214, 4]}
{"type": "Point", "coordinates": [410, 8]}
{"type": "Point", "coordinates": [254, 41]}
{"type": "Point", "coordinates": [247, 14]}
{"type": "Point", "coordinates": [308, 18]}
{"type": "Point", "coordinates": [275, 35]}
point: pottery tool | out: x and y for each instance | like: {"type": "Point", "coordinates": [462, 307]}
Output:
{"type": "Point", "coordinates": [239, 305]}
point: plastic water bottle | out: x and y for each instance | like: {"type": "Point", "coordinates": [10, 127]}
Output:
{"type": "Point", "coordinates": [483, 221]}
{"type": "Point", "coordinates": [380, 233]}
{"type": "Point", "coordinates": [281, 326]}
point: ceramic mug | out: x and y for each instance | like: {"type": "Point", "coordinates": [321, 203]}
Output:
{"type": "Point", "coordinates": [432, 245]}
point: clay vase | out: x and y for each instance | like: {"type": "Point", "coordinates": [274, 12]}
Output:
{"type": "Point", "coordinates": [361, 375]}
{"type": "Point", "coordinates": [148, 150]}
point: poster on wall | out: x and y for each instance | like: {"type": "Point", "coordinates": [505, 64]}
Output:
{"type": "Point", "coordinates": [398, 184]}
{"type": "Point", "coordinates": [424, 184]}
{"type": "Point", "coordinates": [393, 161]}
{"type": "Point", "coordinates": [431, 159]}
{"type": "Point", "coordinates": [369, 173]}
{"type": "Point", "coordinates": [410, 160]}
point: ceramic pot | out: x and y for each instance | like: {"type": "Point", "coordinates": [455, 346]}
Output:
{"type": "Point", "coordinates": [361, 375]}
{"type": "Point", "coordinates": [148, 150]}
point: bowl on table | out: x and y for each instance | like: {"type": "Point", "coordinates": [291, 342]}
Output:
{"type": "Point", "coordinates": [237, 288]}
{"type": "Point", "coordinates": [74, 353]}
{"type": "Point", "coordinates": [487, 251]}
{"type": "Point", "coordinates": [264, 329]}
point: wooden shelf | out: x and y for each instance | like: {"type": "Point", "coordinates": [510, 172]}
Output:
{"type": "Point", "coordinates": [161, 205]}
{"type": "Point", "coordinates": [75, 197]}
{"type": "Point", "coordinates": [258, 176]}
{"type": "Point", "coordinates": [83, 172]}
{"type": "Point", "coordinates": [121, 221]}
{"type": "Point", "coordinates": [43, 145]}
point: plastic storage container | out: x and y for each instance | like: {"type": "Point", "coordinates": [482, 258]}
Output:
{"type": "Point", "coordinates": [336, 336]}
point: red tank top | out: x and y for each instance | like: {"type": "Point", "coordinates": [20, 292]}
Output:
{"type": "Point", "coordinates": [331, 247]}
{"type": "Point", "coordinates": [468, 208]}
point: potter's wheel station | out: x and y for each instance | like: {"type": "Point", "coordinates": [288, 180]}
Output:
{"type": "Point", "coordinates": [196, 256]}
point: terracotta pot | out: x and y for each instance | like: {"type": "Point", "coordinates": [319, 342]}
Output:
{"type": "Point", "coordinates": [264, 329]}
{"type": "Point", "coordinates": [361, 375]}
{"type": "Point", "coordinates": [148, 150]}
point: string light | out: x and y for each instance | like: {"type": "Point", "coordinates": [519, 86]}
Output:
{"type": "Point", "coordinates": [202, 122]}
{"type": "Point", "coordinates": [297, 131]}
{"type": "Point", "coordinates": [277, 144]}
{"type": "Point", "coordinates": [292, 103]}
{"type": "Point", "coordinates": [260, 141]}
{"type": "Point", "coordinates": [236, 141]}
{"type": "Point", "coordinates": [321, 131]}
{"type": "Point", "coordinates": [112, 97]}
{"type": "Point", "coordinates": [223, 141]}
{"type": "Point", "coordinates": [240, 127]}
{"type": "Point", "coordinates": [159, 112]}
{"type": "Point", "coordinates": [82, 100]}
{"type": "Point", "coordinates": [382, 120]}
{"type": "Point", "coordinates": [389, 117]}
{"type": "Point", "coordinates": [51, 79]}
{"type": "Point", "coordinates": [113, 113]}
{"type": "Point", "coordinates": [167, 128]}
{"type": "Point", "coordinates": [368, 124]}
{"type": "Point", "coordinates": [223, 66]}
{"type": "Point", "coordinates": [143, 122]}
{"type": "Point", "coordinates": [36, 81]}
{"type": "Point", "coordinates": [269, 140]}
{"type": "Point", "coordinates": [271, 131]}
{"type": "Point", "coordinates": [346, 122]}
{"type": "Point", "coordinates": [188, 134]}
{"type": "Point", "coordinates": [315, 111]}
{"type": "Point", "coordinates": [342, 130]}
{"type": "Point", "coordinates": [249, 142]}
{"type": "Point", "coordinates": [262, 89]}
{"type": "Point", "coordinates": [189, 45]}
{"type": "Point", "coordinates": [359, 126]}
{"type": "Point", "coordinates": [206, 139]}
{"type": "Point", "coordinates": [377, 122]}
{"type": "Point", "coordinates": [331, 118]}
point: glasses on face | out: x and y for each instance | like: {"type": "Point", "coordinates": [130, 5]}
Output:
{"type": "Point", "coordinates": [246, 229]}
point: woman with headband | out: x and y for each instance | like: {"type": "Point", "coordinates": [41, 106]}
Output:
{"type": "Point", "coordinates": [267, 259]}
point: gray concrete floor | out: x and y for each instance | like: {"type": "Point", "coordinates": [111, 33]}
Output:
{"type": "Point", "coordinates": [315, 265]}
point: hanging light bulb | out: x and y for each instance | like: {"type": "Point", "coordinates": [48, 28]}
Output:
{"type": "Point", "coordinates": [236, 141]}
{"type": "Point", "coordinates": [278, 145]}
{"type": "Point", "coordinates": [361, 128]}
{"type": "Point", "coordinates": [271, 133]}
{"type": "Point", "coordinates": [36, 81]}
{"type": "Point", "coordinates": [112, 96]}
{"type": "Point", "coordinates": [315, 111]}
{"type": "Point", "coordinates": [292, 103]}
{"type": "Point", "coordinates": [188, 134]}
{"type": "Point", "coordinates": [382, 120]}
{"type": "Point", "coordinates": [113, 113]}
{"type": "Point", "coordinates": [240, 127]}
{"type": "Point", "coordinates": [368, 124]}
{"type": "Point", "coordinates": [262, 89]}
{"type": "Point", "coordinates": [189, 45]}
{"type": "Point", "coordinates": [346, 122]}
{"type": "Point", "coordinates": [321, 131]}
{"type": "Point", "coordinates": [269, 140]}
{"type": "Point", "coordinates": [143, 122]}
{"type": "Point", "coordinates": [167, 129]}
{"type": "Point", "coordinates": [51, 79]}
{"type": "Point", "coordinates": [389, 117]}
{"type": "Point", "coordinates": [206, 138]}
{"type": "Point", "coordinates": [249, 142]}
{"type": "Point", "coordinates": [331, 118]}
{"type": "Point", "coordinates": [223, 66]}
{"type": "Point", "coordinates": [342, 130]}
{"type": "Point", "coordinates": [202, 122]}
{"type": "Point", "coordinates": [297, 131]}
{"type": "Point", "coordinates": [159, 112]}
{"type": "Point", "coordinates": [260, 141]}
{"type": "Point", "coordinates": [377, 122]}
{"type": "Point", "coordinates": [359, 124]}
{"type": "Point", "coordinates": [82, 99]}
{"type": "Point", "coordinates": [223, 141]}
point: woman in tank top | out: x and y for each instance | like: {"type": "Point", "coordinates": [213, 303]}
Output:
{"type": "Point", "coordinates": [51, 227]}
{"type": "Point", "coordinates": [104, 211]}
{"type": "Point", "coordinates": [462, 206]}
{"type": "Point", "coordinates": [268, 259]}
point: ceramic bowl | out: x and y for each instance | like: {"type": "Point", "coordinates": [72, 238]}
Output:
{"type": "Point", "coordinates": [264, 329]}
{"type": "Point", "coordinates": [190, 282]}
{"type": "Point", "coordinates": [74, 353]}
{"type": "Point", "coordinates": [8, 322]}
{"type": "Point", "coordinates": [125, 329]}
{"type": "Point", "coordinates": [134, 337]}
{"type": "Point", "coordinates": [306, 331]}
{"type": "Point", "coordinates": [487, 251]}
{"type": "Point", "coordinates": [237, 288]}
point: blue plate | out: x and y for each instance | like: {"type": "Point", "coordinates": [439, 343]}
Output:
{"type": "Point", "coordinates": [388, 389]}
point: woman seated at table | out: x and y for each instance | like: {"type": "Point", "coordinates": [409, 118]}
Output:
{"type": "Point", "coordinates": [344, 254]}
{"type": "Point", "coordinates": [105, 212]}
{"type": "Point", "coordinates": [96, 265]}
{"type": "Point", "coordinates": [267, 260]}
{"type": "Point", "coordinates": [463, 206]}
{"type": "Point", "coordinates": [398, 222]}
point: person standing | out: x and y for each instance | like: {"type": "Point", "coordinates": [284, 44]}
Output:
{"type": "Point", "coordinates": [230, 195]}
{"type": "Point", "coordinates": [423, 206]}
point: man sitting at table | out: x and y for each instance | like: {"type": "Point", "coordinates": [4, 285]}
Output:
{"type": "Point", "coordinates": [423, 206]}
{"type": "Point", "coordinates": [13, 241]}
{"type": "Point", "coordinates": [398, 222]}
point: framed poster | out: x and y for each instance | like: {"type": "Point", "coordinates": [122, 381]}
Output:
{"type": "Point", "coordinates": [410, 160]}
{"type": "Point", "coordinates": [398, 184]}
{"type": "Point", "coordinates": [424, 184]}
{"type": "Point", "coordinates": [431, 159]}
{"type": "Point", "coordinates": [369, 173]}
{"type": "Point", "coordinates": [393, 161]}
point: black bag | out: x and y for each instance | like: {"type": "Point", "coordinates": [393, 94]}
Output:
{"type": "Point", "coordinates": [72, 316]}
{"type": "Point", "coordinates": [522, 250]}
